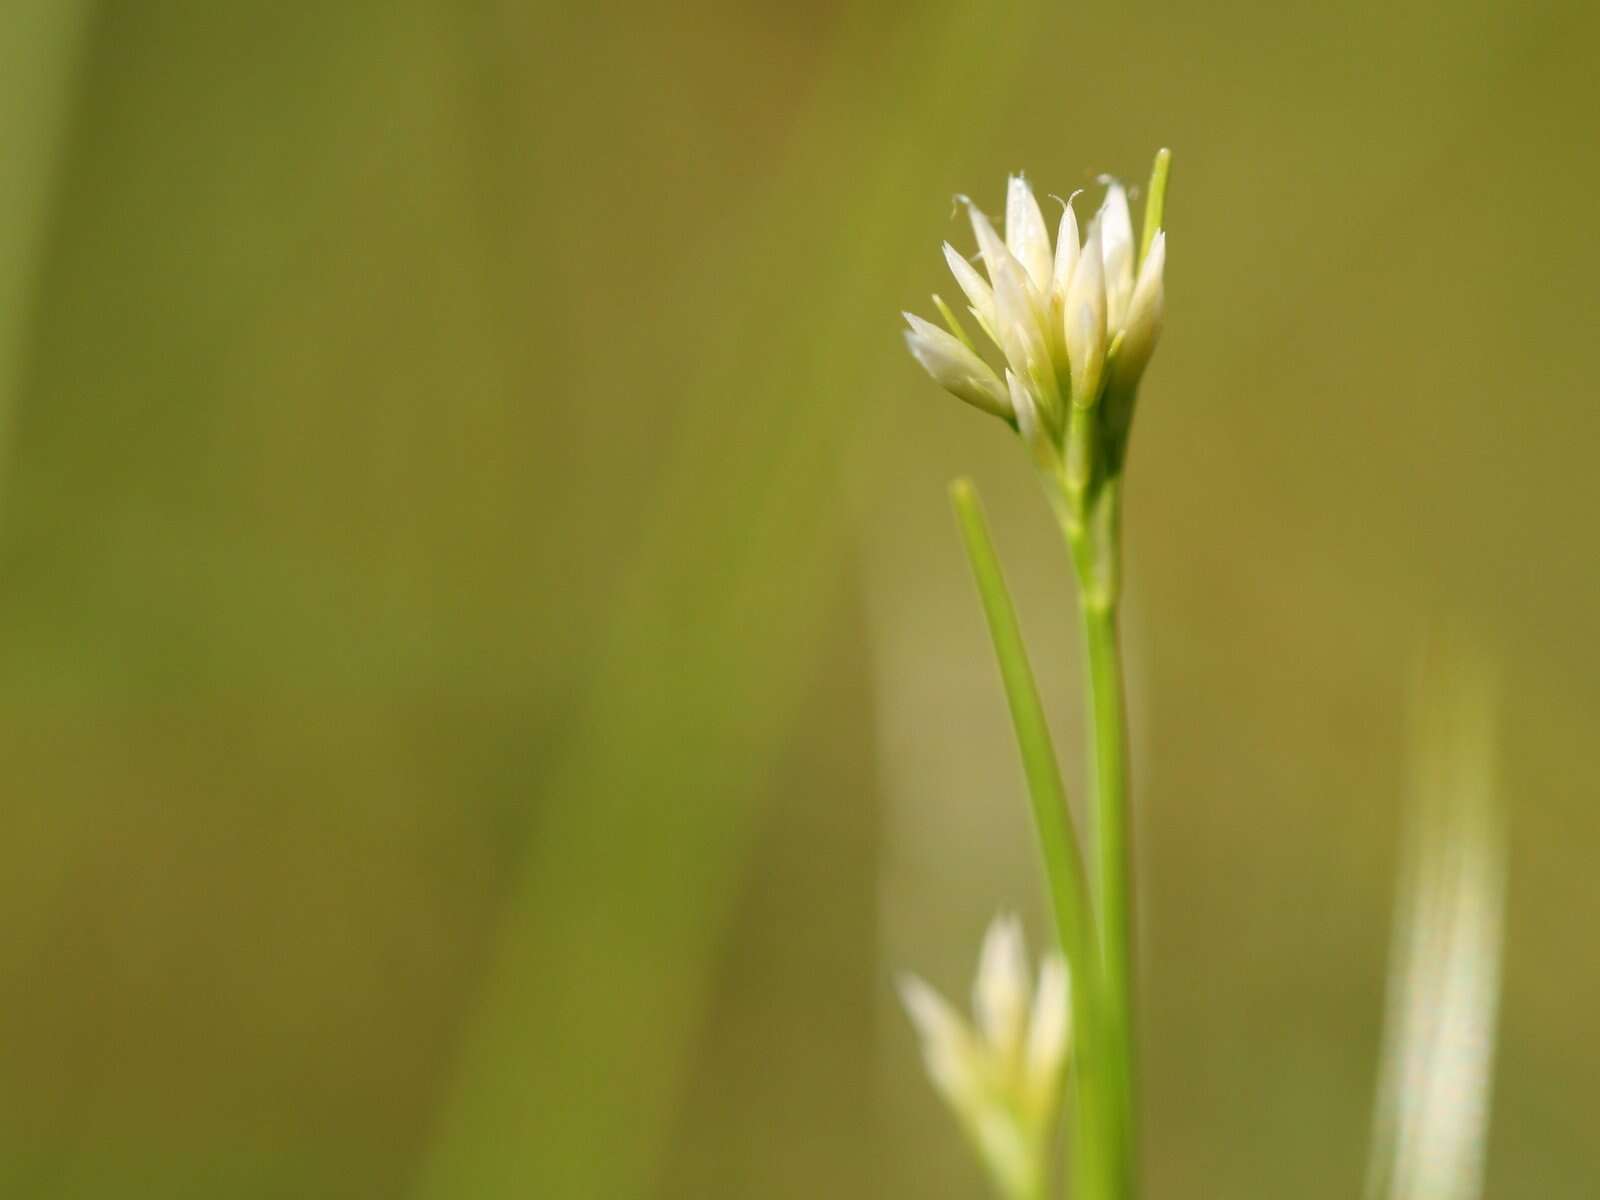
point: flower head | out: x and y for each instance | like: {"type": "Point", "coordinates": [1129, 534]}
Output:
{"type": "Point", "coordinates": [1072, 323]}
{"type": "Point", "coordinates": [1002, 1073]}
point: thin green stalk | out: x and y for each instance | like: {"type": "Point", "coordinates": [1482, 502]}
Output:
{"type": "Point", "coordinates": [1095, 550]}
{"type": "Point", "coordinates": [1111, 842]}
{"type": "Point", "coordinates": [1096, 1098]}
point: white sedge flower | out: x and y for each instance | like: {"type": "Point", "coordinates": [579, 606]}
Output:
{"type": "Point", "coordinates": [1066, 320]}
{"type": "Point", "coordinates": [1002, 1073]}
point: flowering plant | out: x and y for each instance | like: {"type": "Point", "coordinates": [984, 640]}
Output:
{"type": "Point", "coordinates": [1074, 326]}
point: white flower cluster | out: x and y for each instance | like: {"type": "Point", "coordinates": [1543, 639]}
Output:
{"type": "Point", "coordinates": [1003, 1075]}
{"type": "Point", "coordinates": [1071, 322]}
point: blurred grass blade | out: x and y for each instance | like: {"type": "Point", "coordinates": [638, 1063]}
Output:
{"type": "Point", "coordinates": [1057, 837]}
{"type": "Point", "coordinates": [573, 1068]}
{"type": "Point", "coordinates": [39, 54]}
{"type": "Point", "coordinates": [1434, 1086]}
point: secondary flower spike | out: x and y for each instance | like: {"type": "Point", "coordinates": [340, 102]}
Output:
{"type": "Point", "coordinates": [1067, 323]}
{"type": "Point", "coordinates": [1001, 1074]}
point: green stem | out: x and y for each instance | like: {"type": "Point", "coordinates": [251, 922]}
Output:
{"type": "Point", "coordinates": [1095, 547]}
{"type": "Point", "coordinates": [1096, 1089]}
{"type": "Point", "coordinates": [1115, 907]}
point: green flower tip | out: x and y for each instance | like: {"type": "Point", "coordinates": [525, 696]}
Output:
{"type": "Point", "coordinates": [1155, 202]}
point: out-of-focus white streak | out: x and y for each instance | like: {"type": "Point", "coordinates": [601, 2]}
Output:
{"type": "Point", "coordinates": [1434, 1087]}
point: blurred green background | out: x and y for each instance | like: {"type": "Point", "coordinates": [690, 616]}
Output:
{"type": "Point", "coordinates": [489, 691]}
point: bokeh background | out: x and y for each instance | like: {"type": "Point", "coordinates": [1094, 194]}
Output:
{"type": "Point", "coordinates": [489, 691]}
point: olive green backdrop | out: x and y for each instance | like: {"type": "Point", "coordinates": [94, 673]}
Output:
{"type": "Point", "coordinates": [489, 692]}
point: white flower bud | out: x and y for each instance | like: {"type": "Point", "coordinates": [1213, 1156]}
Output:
{"type": "Point", "coordinates": [1026, 235]}
{"type": "Point", "coordinates": [1116, 243]}
{"type": "Point", "coordinates": [1066, 254]}
{"type": "Point", "coordinates": [955, 368]}
{"type": "Point", "coordinates": [1145, 313]}
{"type": "Point", "coordinates": [1084, 320]}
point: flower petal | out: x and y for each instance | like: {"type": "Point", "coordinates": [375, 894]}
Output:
{"type": "Point", "coordinates": [1084, 321]}
{"type": "Point", "coordinates": [1116, 234]}
{"type": "Point", "coordinates": [948, 1047]}
{"type": "Point", "coordinates": [990, 247]}
{"type": "Point", "coordinates": [1000, 991]}
{"type": "Point", "coordinates": [1049, 1028]}
{"type": "Point", "coordinates": [956, 368]}
{"type": "Point", "coordinates": [1026, 235]}
{"type": "Point", "coordinates": [1146, 311]}
{"type": "Point", "coordinates": [1066, 254]}
{"type": "Point", "coordinates": [1022, 334]}
{"type": "Point", "coordinates": [979, 294]}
